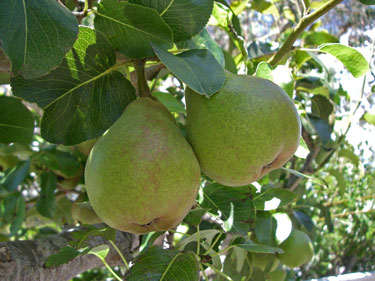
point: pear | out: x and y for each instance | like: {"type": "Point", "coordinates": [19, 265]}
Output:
{"type": "Point", "coordinates": [247, 129]}
{"type": "Point", "coordinates": [298, 249]}
{"type": "Point", "coordinates": [142, 175]}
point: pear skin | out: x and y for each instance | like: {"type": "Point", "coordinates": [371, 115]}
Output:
{"type": "Point", "coordinates": [247, 129]}
{"type": "Point", "coordinates": [142, 175]}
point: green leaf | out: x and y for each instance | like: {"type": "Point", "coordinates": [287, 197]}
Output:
{"type": "Point", "coordinates": [194, 217]}
{"type": "Point", "coordinates": [304, 219]}
{"type": "Point", "coordinates": [185, 17]}
{"type": "Point", "coordinates": [170, 102]}
{"type": "Point", "coordinates": [234, 205]}
{"type": "Point", "coordinates": [64, 255]}
{"type": "Point", "coordinates": [273, 198]}
{"type": "Point", "coordinates": [58, 160]}
{"type": "Point", "coordinates": [46, 203]}
{"type": "Point", "coordinates": [100, 251]}
{"type": "Point", "coordinates": [320, 37]}
{"type": "Point", "coordinates": [322, 107]}
{"type": "Point", "coordinates": [230, 64]}
{"type": "Point", "coordinates": [206, 235]}
{"type": "Point", "coordinates": [367, 2]}
{"type": "Point", "coordinates": [131, 28]}
{"type": "Point", "coordinates": [36, 35]}
{"type": "Point", "coordinates": [83, 236]}
{"type": "Point", "coordinates": [83, 96]}
{"type": "Point", "coordinates": [237, 265]}
{"type": "Point", "coordinates": [20, 216]}
{"type": "Point", "coordinates": [63, 211]}
{"type": "Point", "coordinates": [353, 60]}
{"type": "Point", "coordinates": [168, 265]}
{"type": "Point", "coordinates": [265, 228]}
{"type": "Point", "coordinates": [16, 121]}
{"type": "Point", "coordinates": [203, 40]}
{"type": "Point", "coordinates": [281, 76]}
{"type": "Point", "coordinates": [370, 118]}
{"type": "Point", "coordinates": [350, 155]}
{"type": "Point", "coordinates": [148, 239]}
{"type": "Point", "coordinates": [341, 182]}
{"type": "Point", "coordinates": [322, 127]}
{"type": "Point", "coordinates": [198, 69]}
{"type": "Point", "coordinates": [15, 176]}
{"type": "Point", "coordinates": [258, 248]}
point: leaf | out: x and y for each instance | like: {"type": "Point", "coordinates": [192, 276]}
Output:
{"type": "Point", "coordinates": [46, 203]}
{"type": "Point", "coordinates": [20, 216]}
{"type": "Point", "coordinates": [304, 219]}
{"type": "Point", "coordinates": [230, 64]}
{"type": "Point", "coordinates": [353, 60]}
{"type": "Point", "coordinates": [148, 239]}
{"type": "Point", "coordinates": [83, 96]}
{"type": "Point", "coordinates": [63, 211]}
{"type": "Point", "coordinates": [258, 248]}
{"type": "Point", "coordinates": [265, 228]}
{"type": "Point", "coordinates": [58, 160]}
{"type": "Point", "coordinates": [233, 267]}
{"type": "Point", "coordinates": [206, 235]}
{"type": "Point", "coordinates": [194, 217]}
{"type": "Point", "coordinates": [341, 182]}
{"type": "Point", "coordinates": [369, 118]}
{"type": "Point", "coordinates": [130, 28]}
{"type": "Point", "coordinates": [197, 68]}
{"type": "Point", "coordinates": [232, 204]}
{"type": "Point", "coordinates": [367, 2]}
{"type": "Point", "coordinates": [319, 37]}
{"type": "Point", "coordinates": [64, 255]}
{"type": "Point", "coordinates": [81, 237]}
{"type": "Point", "coordinates": [15, 176]}
{"type": "Point", "coordinates": [322, 107]}
{"type": "Point", "coordinates": [36, 35]}
{"type": "Point", "coordinates": [203, 40]}
{"type": "Point", "coordinates": [321, 127]}
{"type": "Point", "coordinates": [185, 17]}
{"type": "Point", "coordinates": [167, 265]}
{"type": "Point", "coordinates": [273, 198]}
{"type": "Point", "coordinates": [281, 76]}
{"type": "Point", "coordinates": [16, 121]}
{"type": "Point", "coordinates": [170, 102]}
{"type": "Point", "coordinates": [100, 251]}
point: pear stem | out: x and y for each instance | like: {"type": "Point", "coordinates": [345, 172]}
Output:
{"type": "Point", "coordinates": [143, 89]}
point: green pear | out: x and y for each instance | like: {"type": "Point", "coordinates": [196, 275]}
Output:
{"type": "Point", "coordinates": [247, 129]}
{"type": "Point", "coordinates": [142, 174]}
{"type": "Point", "coordinates": [83, 212]}
{"type": "Point", "coordinates": [278, 274]}
{"type": "Point", "coordinates": [298, 249]}
{"type": "Point", "coordinates": [264, 261]}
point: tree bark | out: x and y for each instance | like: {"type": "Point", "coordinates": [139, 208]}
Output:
{"type": "Point", "coordinates": [24, 260]}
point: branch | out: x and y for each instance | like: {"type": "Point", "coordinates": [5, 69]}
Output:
{"type": "Point", "coordinates": [301, 26]}
{"type": "Point", "coordinates": [24, 260]}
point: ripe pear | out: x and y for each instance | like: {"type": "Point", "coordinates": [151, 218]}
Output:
{"type": "Point", "coordinates": [142, 174]}
{"type": "Point", "coordinates": [247, 129]}
{"type": "Point", "coordinates": [298, 249]}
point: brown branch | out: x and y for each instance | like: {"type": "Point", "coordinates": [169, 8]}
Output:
{"type": "Point", "coordinates": [24, 260]}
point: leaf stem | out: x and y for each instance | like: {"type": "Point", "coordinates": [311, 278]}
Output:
{"type": "Point", "coordinates": [142, 86]}
{"type": "Point", "coordinates": [109, 268]}
{"type": "Point", "coordinates": [218, 271]}
{"type": "Point", "coordinates": [198, 241]}
{"type": "Point", "coordinates": [213, 244]}
{"type": "Point", "coordinates": [223, 250]}
{"type": "Point", "coordinates": [119, 252]}
{"type": "Point", "coordinates": [202, 270]}
{"type": "Point", "coordinates": [301, 26]}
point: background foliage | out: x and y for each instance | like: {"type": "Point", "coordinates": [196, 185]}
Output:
{"type": "Point", "coordinates": [63, 85]}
